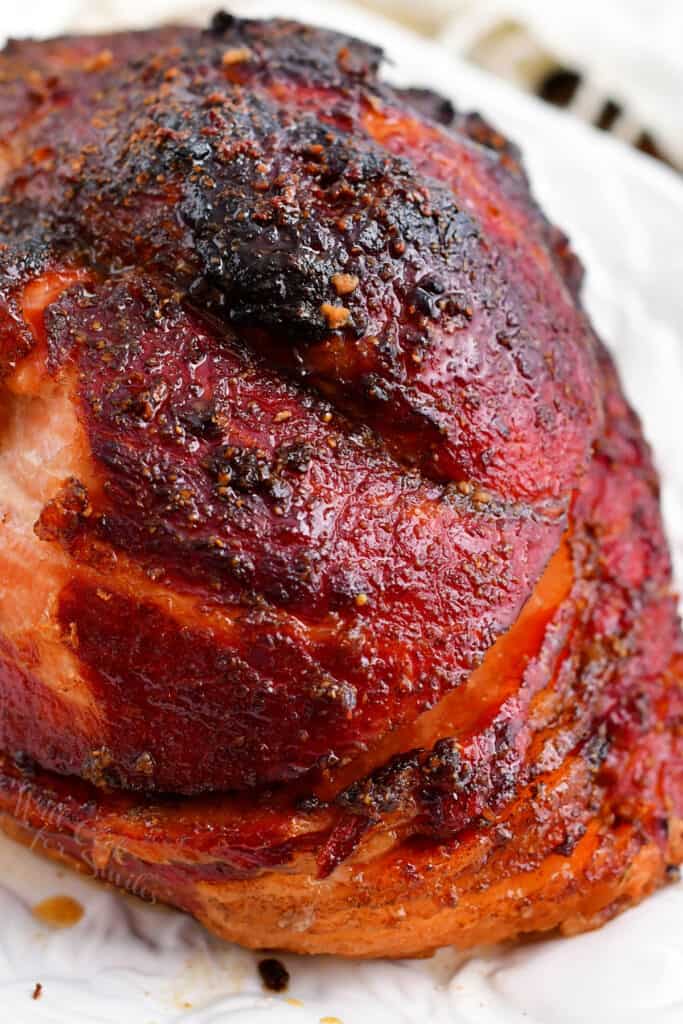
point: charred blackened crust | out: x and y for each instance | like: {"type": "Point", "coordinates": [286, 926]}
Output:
{"type": "Point", "coordinates": [364, 505]}
{"type": "Point", "coordinates": [294, 172]}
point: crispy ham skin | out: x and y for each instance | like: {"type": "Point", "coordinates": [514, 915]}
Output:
{"type": "Point", "coordinates": [334, 599]}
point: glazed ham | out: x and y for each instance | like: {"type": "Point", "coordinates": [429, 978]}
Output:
{"type": "Point", "coordinates": [334, 598]}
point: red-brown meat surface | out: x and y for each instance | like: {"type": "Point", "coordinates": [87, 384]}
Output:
{"type": "Point", "coordinates": [316, 487]}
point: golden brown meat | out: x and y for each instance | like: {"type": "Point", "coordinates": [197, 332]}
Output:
{"type": "Point", "coordinates": [334, 598]}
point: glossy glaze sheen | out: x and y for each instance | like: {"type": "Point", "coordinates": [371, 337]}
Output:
{"type": "Point", "coordinates": [552, 796]}
{"type": "Point", "coordinates": [318, 487]}
{"type": "Point", "coordinates": [329, 381]}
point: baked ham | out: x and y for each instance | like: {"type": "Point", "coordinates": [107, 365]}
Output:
{"type": "Point", "coordinates": [335, 605]}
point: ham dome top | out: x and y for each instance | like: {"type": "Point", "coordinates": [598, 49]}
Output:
{"type": "Point", "coordinates": [335, 606]}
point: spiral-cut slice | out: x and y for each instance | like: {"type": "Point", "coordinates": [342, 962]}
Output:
{"type": "Point", "coordinates": [546, 792]}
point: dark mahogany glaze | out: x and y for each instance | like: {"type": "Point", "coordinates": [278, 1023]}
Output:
{"type": "Point", "coordinates": [316, 487]}
{"type": "Point", "coordinates": [579, 762]}
{"type": "Point", "coordinates": [399, 268]}
{"type": "Point", "coordinates": [335, 387]}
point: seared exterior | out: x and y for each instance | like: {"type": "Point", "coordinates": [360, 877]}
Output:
{"type": "Point", "coordinates": [316, 487]}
